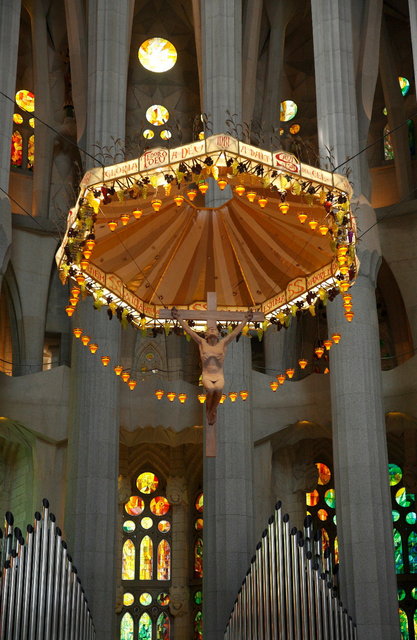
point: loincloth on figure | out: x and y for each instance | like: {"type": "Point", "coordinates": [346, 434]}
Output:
{"type": "Point", "coordinates": [212, 382]}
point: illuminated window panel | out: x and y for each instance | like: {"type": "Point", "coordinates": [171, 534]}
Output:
{"type": "Point", "coordinates": [403, 498]}
{"type": "Point", "coordinates": [403, 625]}
{"type": "Point", "coordinates": [32, 122]}
{"type": "Point", "coordinates": [17, 118]}
{"type": "Point", "coordinates": [388, 148]}
{"type": "Point", "coordinates": [129, 526]}
{"type": "Point", "coordinates": [412, 552]}
{"type": "Point", "coordinates": [322, 514]}
{"type": "Point", "coordinates": [31, 152]}
{"type": "Point", "coordinates": [162, 627]}
{"type": "Point", "coordinates": [330, 498]}
{"type": "Point", "coordinates": [404, 85]}
{"type": "Point", "coordinates": [395, 515]}
{"type": "Point", "coordinates": [128, 561]}
{"type": "Point", "coordinates": [312, 498]}
{"type": "Point", "coordinates": [165, 134]}
{"type": "Point", "coordinates": [146, 559]}
{"type": "Point", "coordinates": [401, 594]}
{"type": "Point", "coordinates": [336, 550]}
{"type": "Point", "coordinates": [294, 129]}
{"type": "Point", "coordinates": [198, 597]}
{"type": "Point", "coordinates": [411, 517]}
{"type": "Point", "coordinates": [147, 482]}
{"type": "Point", "coordinates": [288, 110]}
{"type": "Point", "coordinates": [164, 526]}
{"type": "Point", "coordinates": [163, 599]}
{"type": "Point", "coordinates": [148, 134]}
{"type": "Point", "coordinates": [395, 474]}
{"type": "Point", "coordinates": [157, 55]}
{"type": "Point", "coordinates": [199, 503]}
{"type": "Point", "coordinates": [16, 149]}
{"type": "Point", "coordinates": [163, 571]}
{"type": "Point", "coordinates": [415, 623]}
{"type": "Point", "coordinates": [146, 523]}
{"type": "Point", "coordinates": [126, 627]}
{"type": "Point", "coordinates": [134, 506]}
{"type": "Point", "coordinates": [159, 506]}
{"type": "Point", "coordinates": [157, 115]}
{"type": "Point", "coordinates": [199, 524]}
{"type": "Point", "coordinates": [325, 541]}
{"type": "Point", "coordinates": [198, 626]}
{"type": "Point", "coordinates": [145, 599]}
{"type": "Point", "coordinates": [324, 473]}
{"type": "Point", "coordinates": [398, 552]}
{"type": "Point", "coordinates": [128, 599]}
{"type": "Point", "coordinates": [145, 627]}
{"type": "Point", "coordinates": [198, 558]}
{"type": "Point", "coordinates": [25, 100]}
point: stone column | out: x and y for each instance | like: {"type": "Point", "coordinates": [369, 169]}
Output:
{"type": "Point", "coordinates": [9, 41]}
{"type": "Point", "coordinates": [263, 492]}
{"type": "Point", "coordinates": [93, 448]}
{"type": "Point", "coordinates": [368, 584]}
{"type": "Point", "coordinates": [228, 498]}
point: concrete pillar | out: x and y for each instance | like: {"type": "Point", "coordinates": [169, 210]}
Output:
{"type": "Point", "coordinates": [93, 448]}
{"type": "Point", "coordinates": [368, 584]}
{"type": "Point", "coordinates": [274, 350]}
{"type": "Point", "coordinates": [228, 498]}
{"type": "Point", "coordinates": [263, 494]}
{"type": "Point", "coordinates": [9, 41]}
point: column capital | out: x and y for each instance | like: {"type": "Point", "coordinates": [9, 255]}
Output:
{"type": "Point", "coordinates": [176, 491]}
{"type": "Point", "coordinates": [370, 261]}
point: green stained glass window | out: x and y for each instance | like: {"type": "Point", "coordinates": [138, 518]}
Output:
{"type": "Point", "coordinates": [163, 599]}
{"type": "Point", "coordinates": [414, 593]}
{"type": "Point", "coordinates": [415, 623]}
{"type": "Point", "coordinates": [330, 498]}
{"type": "Point", "coordinates": [126, 627]}
{"type": "Point", "coordinates": [401, 594]}
{"type": "Point", "coordinates": [198, 558]}
{"type": "Point", "coordinates": [128, 561]}
{"type": "Point", "coordinates": [145, 627]}
{"type": "Point", "coordinates": [198, 626]}
{"type": "Point", "coordinates": [395, 515]}
{"type": "Point", "coordinates": [404, 85]}
{"type": "Point", "coordinates": [164, 561]}
{"type": "Point", "coordinates": [145, 599]}
{"type": "Point", "coordinates": [198, 597]}
{"type": "Point", "coordinates": [411, 517]}
{"type": "Point", "coordinates": [403, 498]}
{"type": "Point", "coordinates": [162, 627]}
{"type": "Point", "coordinates": [129, 526]}
{"type": "Point", "coordinates": [398, 552]}
{"type": "Point", "coordinates": [412, 552]}
{"type": "Point", "coordinates": [403, 625]}
{"type": "Point", "coordinates": [395, 474]}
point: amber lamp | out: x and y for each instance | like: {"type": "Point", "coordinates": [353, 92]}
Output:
{"type": "Point", "coordinates": [223, 398]}
{"type": "Point", "coordinates": [74, 301]}
{"type": "Point", "coordinates": [93, 347]}
{"type": "Point", "coordinates": [326, 371]}
{"type": "Point", "coordinates": [281, 378]}
{"type": "Point", "coordinates": [342, 250]}
{"type": "Point", "coordinates": [319, 351]}
{"type": "Point", "coordinates": [132, 384]}
{"type": "Point", "coordinates": [70, 310]}
{"type": "Point", "coordinates": [347, 298]}
{"type": "Point", "coordinates": [244, 395]}
{"type": "Point", "coordinates": [124, 219]}
{"type": "Point", "coordinates": [171, 395]}
{"type": "Point", "coordinates": [118, 370]}
{"type": "Point", "coordinates": [342, 260]}
{"type": "Point", "coordinates": [156, 204]}
{"type": "Point", "coordinates": [182, 397]}
{"type": "Point", "coordinates": [251, 195]}
{"type": "Point", "coordinates": [336, 337]}
{"type": "Point", "coordinates": [303, 363]}
{"type": "Point", "coordinates": [112, 225]}
{"type": "Point", "coordinates": [137, 213]}
{"type": "Point", "coordinates": [344, 269]}
{"type": "Point", "coordinates": [323, 228]}
{"type": "Point", "coordinates": [179, 200]}
{"type": "Point", "coordinates": [283, 207]}
{"type": "Point", "coordinates": [85, 340]}
{"type": "Point", "coordinates": [201, 398]}
{"type": "Point", "coordinates": [191, 193]}
{"type": "Point", "coordinates": [262, 202]}
{"type": "Point", "coordinates": [159, 393]}
{"type": "Point", "coordinates": [302, 217]}
{"type": "Point", "coordinates": [80, 278]}
{"type": "Point", "coordinates": [77, 332]}
{"type": "Point", "coordinates": [84, 264]}
{"type": "Point", "coordinates": [90, 244]}
{"type": "Point", "coordinates": [233, 396]}
{"type": "Point", "coordinates": [313, 224]}
{"type": "Point", "coordinates": [222, 184]}
{"type": "Point", "coordinates": [87, 254]}
{"type": "Point", "coordinates": [344, 285]}
{"type": "Point", "coordinates": [347, 306]}
{"type": "Point", "coordinates": [203, 187]}
{"type": "Point", "coordinates": [75, 292]}
{"type": "Point", "coordinates": [290, 373]}
{"type": "Point", "coordinates": [274, 385]}
{"type": "Point", "coordinates": [125, 376]}
{"type": "Point", "coordinates": [349, 315]}
{"type": "Point", "coordinates": [328, 343]}
{"type": "Point", "coordinates": [240, 190]}
{"type": "Point", "coordinates": [105, 360]}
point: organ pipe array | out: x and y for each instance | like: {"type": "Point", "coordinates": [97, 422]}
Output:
{"type": "Point", "coordinates": [41, 597]}
{"type": "Point", "coordinates": [289, 590]}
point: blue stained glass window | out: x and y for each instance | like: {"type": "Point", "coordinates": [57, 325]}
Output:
{"type": "Point", "coordinates": [412, 552]}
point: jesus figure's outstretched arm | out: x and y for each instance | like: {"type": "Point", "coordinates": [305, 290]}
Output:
{"type": "Point", "coordinates": [176, 315]}
{"type": "Point", "coordinates": [238, 329]}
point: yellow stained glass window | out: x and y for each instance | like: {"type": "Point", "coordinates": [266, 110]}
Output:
{"type": "Point", "coordinates": [147, 482]}
{"type": "Point", "coordinates": [199, 503]}
{"type": "Point", "coordinates": [294, 129]}
{"type": "Point", "coordinates": [134, 506]}
{"type": "Point", "coordinates": [165, 134]}
{"type": "Point", "coordinates": [16, 149]}
{"type": "Point", "coordinates": [128, 561]}
{"type": "Point", "coordinates": [157, 55]}
{"type": "Point", "coordinates": [157, 115]}
{"type": "Point", "coordinates": [126, 627]}
{"type": "Point", "coordinates": [25, 100]}
{"type": "Point", "coordinates": [288, 110]}
{"type": "Point", "coordinates": [31, 152]}
{"type": "Point", "coordinates": [148, 134]}
{"type": "Point", "coordinates": [159, 506]}
{"type": "Point", "coordinates": [32, 122]}
{"type": "Point", "coordinates": [312, 498]}
{"type": "Point", "coordinates": [128, 599]}
{"type": "Point", "coordinates": [145, 599]}
{"type": "Point", "coordinates": [146, 559]}
{"type": "Point", "coordinates": [146, 523]}
{"type": "Point", "coordinates": [17, 118]}
{"type": "Point", "coordinates": [164, 561]}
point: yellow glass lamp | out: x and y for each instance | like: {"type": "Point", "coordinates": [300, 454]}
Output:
{"type": "Point", "coordinates": [74, 301]}
{"type": "Point", "coordinates": [313, 224]}
{"type": "Point", "coordinates": [105, 360]}
{"type": "Point", "coordinates": [159, 393]}
{"type": "Point", "coordinates": [251, 195]}
{"type": "Point", "coordinates": [203, 187]}
{"type": "Point", "coordinates": [80, 279]}
{"type": "Point", "coordinates": [171, 395]}
{"type": "Point", "coordinates": [77, 332]}
{"type": "Point", "coordinates": [283, 207]}
{"type": "Point", "coordinates": [303, 363]}
{"type": "Point", "coordinates": [137, 213]}
{"type": "Point", "coordinates": [191, 193]}
{"type": "Point", "coordinates": [222, 183]}
{"type": "Point", "coordinates": [336, 337]}
{"type": "Point", "coordinates": [112, 225]}
{"type": "Point", "coordinates": [233, 396]}
{"type": "Point", "coordinates": [85, 340]}
{"type": "Point", "coordinates": [201, 398]}
{"type": "Point", "coordinates": [124, 218]}
{"type": "Point", "coordinates": [84, 264]}
{"type": "Point", "coordinates": [132, 384]}
{"type": "Point", "coordinates": [223, 398]}
{"type": "Point", "coordinates": [323, 228]}
{"type": "Point", "coordinates": [349, 315]}
{"type": "Point", "coordinates": [302, 217]}
{"type": "Point", "coordinates": [290, 373]}
{"type": "Point", "coordinates": [118, 370]}
{"type": "Point", "coordinates": [125, 376]}
{"type": "Point", "coordinates": [319, 351]}
{"type": "Point", "coordinates": [93, 347]}
{"type": "Point", "coordinates": [281, 377]}
{"type": "Point", "coordinates": [328, 344]}
{"type": "Point", "coordinates": [156, 204]}
{"type": "Point", "coordinates": [274, 385]}
{"type": "Point", "coordinates": [182, 397]}
{"type": "Point", "coordinates": [244, 395]}
{"type": "Point", "coordinates": [240, 190]}
{"type": "Point", "coordinates": [87, 254]}
{"type": "Point", "coordinates": [179, 200]}
{"type": "Point", "coordinates": [344, 285]}
{"type": "Point", "coordinates": [262, 202]}
{"type": "Point", "coordinates": [75, 292]}
{"type": "Point", "coordinates": [90, 244]}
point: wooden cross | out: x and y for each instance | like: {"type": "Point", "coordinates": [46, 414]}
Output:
{"type": "Point", "coordinates": [211, 316]}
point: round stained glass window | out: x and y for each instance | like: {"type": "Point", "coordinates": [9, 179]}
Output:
{"type": "Point", "coordinates": [159, 506]}
{"type": "Point", "coordinates": [157, 55]}
{"type": "Point", "coordinates": [199, 524]}
{"type": "Point", "coordinates": [414, 593]}
{"type": "Point", "coordinates": [129, 526]}
{"type": "Point", "coordinates": [157, 115]}
{"type": "Point", "coordinates": [288, 110]}
{"type": "Point", "coordinates": [312, 498]}
{"type": "Point", "coordinates": [324, 473]}
{"type": "Point", "coordinates": [395, 474]}
{"type": "Point", "coordinates": [134, 506]}
{"type": "Point", "coordinates": [322, 514]}
{"type": "Point", "coordinates": [395, 516]}
{"type": "Point", "coordinates": [403, 498]}
{"type": "Point", "coordinates": [404, 85]}
{"type": "Point", "coordinates": [199, 503]}
{"type": "Point", "coordinates": [148, 134]}
{"type": "Point", "coordinates": [401, 594]}
{"type": "Point", "coordinates": [411, 517]}
{"type": "Point", "coordinates": [198, 597]}
{"type": "Point", "coordinates": [145, 599]}
{"type": "Point", "coordinates": [164, 526]}
{"type": "Point", "coordinates": [294, 129]}
{"type": "Point", "coordinates": [147, 482]}
{"type": "Point", "coordinates": [146, 523]}
{"type": "Point", "coordinates": [128, 599]}
{"type": "Point", "coordinates": [330, 498]}
{"type": "Point", "coordinates": [335, 520]}
{"type": "Point", "coordinates": [25, 100]}
{"type": "Point", "coordinates": [165, 134]}
{"type": "Point", "coordinates": [163, 599]}
{"type": "Point", "coordinates": [17, 118]}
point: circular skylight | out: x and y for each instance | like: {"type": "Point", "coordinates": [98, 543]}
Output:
{"type": "Point", "coordinates": [157, 55]}
{"type": "Point", "coordinates": [288, 110]}
{"type": "Point", "coordinates": [157, 115]}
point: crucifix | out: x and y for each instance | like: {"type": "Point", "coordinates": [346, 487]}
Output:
{"type": "Point", "coordinates": [212, 353]}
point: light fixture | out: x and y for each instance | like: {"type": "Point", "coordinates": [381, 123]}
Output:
{"type": "Point", "coordinates": [274, 385]}
{"type": "Point", "coordinates": [171, 395]}
{"type": "Point", "coordinates": [124, 218]}
{"type": "Point", "coordinates": [118, 370]}
{"type": "Point", "coordinates": [223, 398]}
{"type": "Point", "coordinates": [93, 347]}
{"type": "Point", "coordinates": [290, 373]}
{"type": "Point", "coordinates": [125, 376]}
{"type": "Point", "coordinates": [112, 225]}
{"type": "Point", "coordinates": [323, 228]}
{"type": "Point", "coordinates": [203, 187]}
{"type": "Point", "coordinates": [303, 363]}
{"type": "Point", "coordinates": [132, 384]}
{"type": "Point", "coordinates": [156, 204]}
{"type": "Point", "coordinates": [328, 344]}
{"type": "Point", "coordinates": [75, 292]}
{"type": "Point", "coordinates": [342, 250]}
{"type": "Point", "coordinates": [244, 395]}
{"type": "Point", "coordinates": [222, 183]}
{"type": "Point", "coordinates": [347, 306]}
{"type": "Point", "coordinates": [233, 396]}
{"type": "Point", "coordinates": [283, 207]}
{"type": "Point", "coordinates": [90, 244]}
{"type": "Point", "coordinates": [77, 332]}
{"type": "Point", "coordinates": [336, 337]}
{"type": "Point", "coordinates": [80, 279]}
{"type": "Point", "coordinates": [344, 270]}
{"type": "Point", "coordinates": [191, 193]}
{"type": "Point", "coordinates": [201, 398]}
{"type": "Point", "coordinates": [344, 285]}
{"type": "Point", "coordinates": [262, 202]}
{"type": "Point", "coordinates": [137, 213]}
{"type": "Point", "coordinates": [159, 393]}
{"type": "Point", "coordinates": [251, 195]}
{"type": "Point", "coordinates": [182, 397]}
{"type": "Point", "coordinates": [74, 301]}
{"type": "Point", "coordinates": [240, 190]}
{"type": "Point", "coordinates": [347, 298]}
{"type": "Point", "coordinates": [319, 351]}
{"type": "Point", "coordinates": [85, 340]}
{"type": "Point", "coordinates": [105, 360]}
{"type": "Point", "coordinates": [281, 377]}
{"type": "Point", "coordinates": [313, 224]}
{"type": "Point", "coordinates": [326, 371]}
{"type": "Point", "coordinates": [302, 217]}
{"type": "Point", "coordinates": [87, 254]}
{"type": "Point", "coordinates": [349, 315]}
{"type": "Point", "coordinates": [179, 200]}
